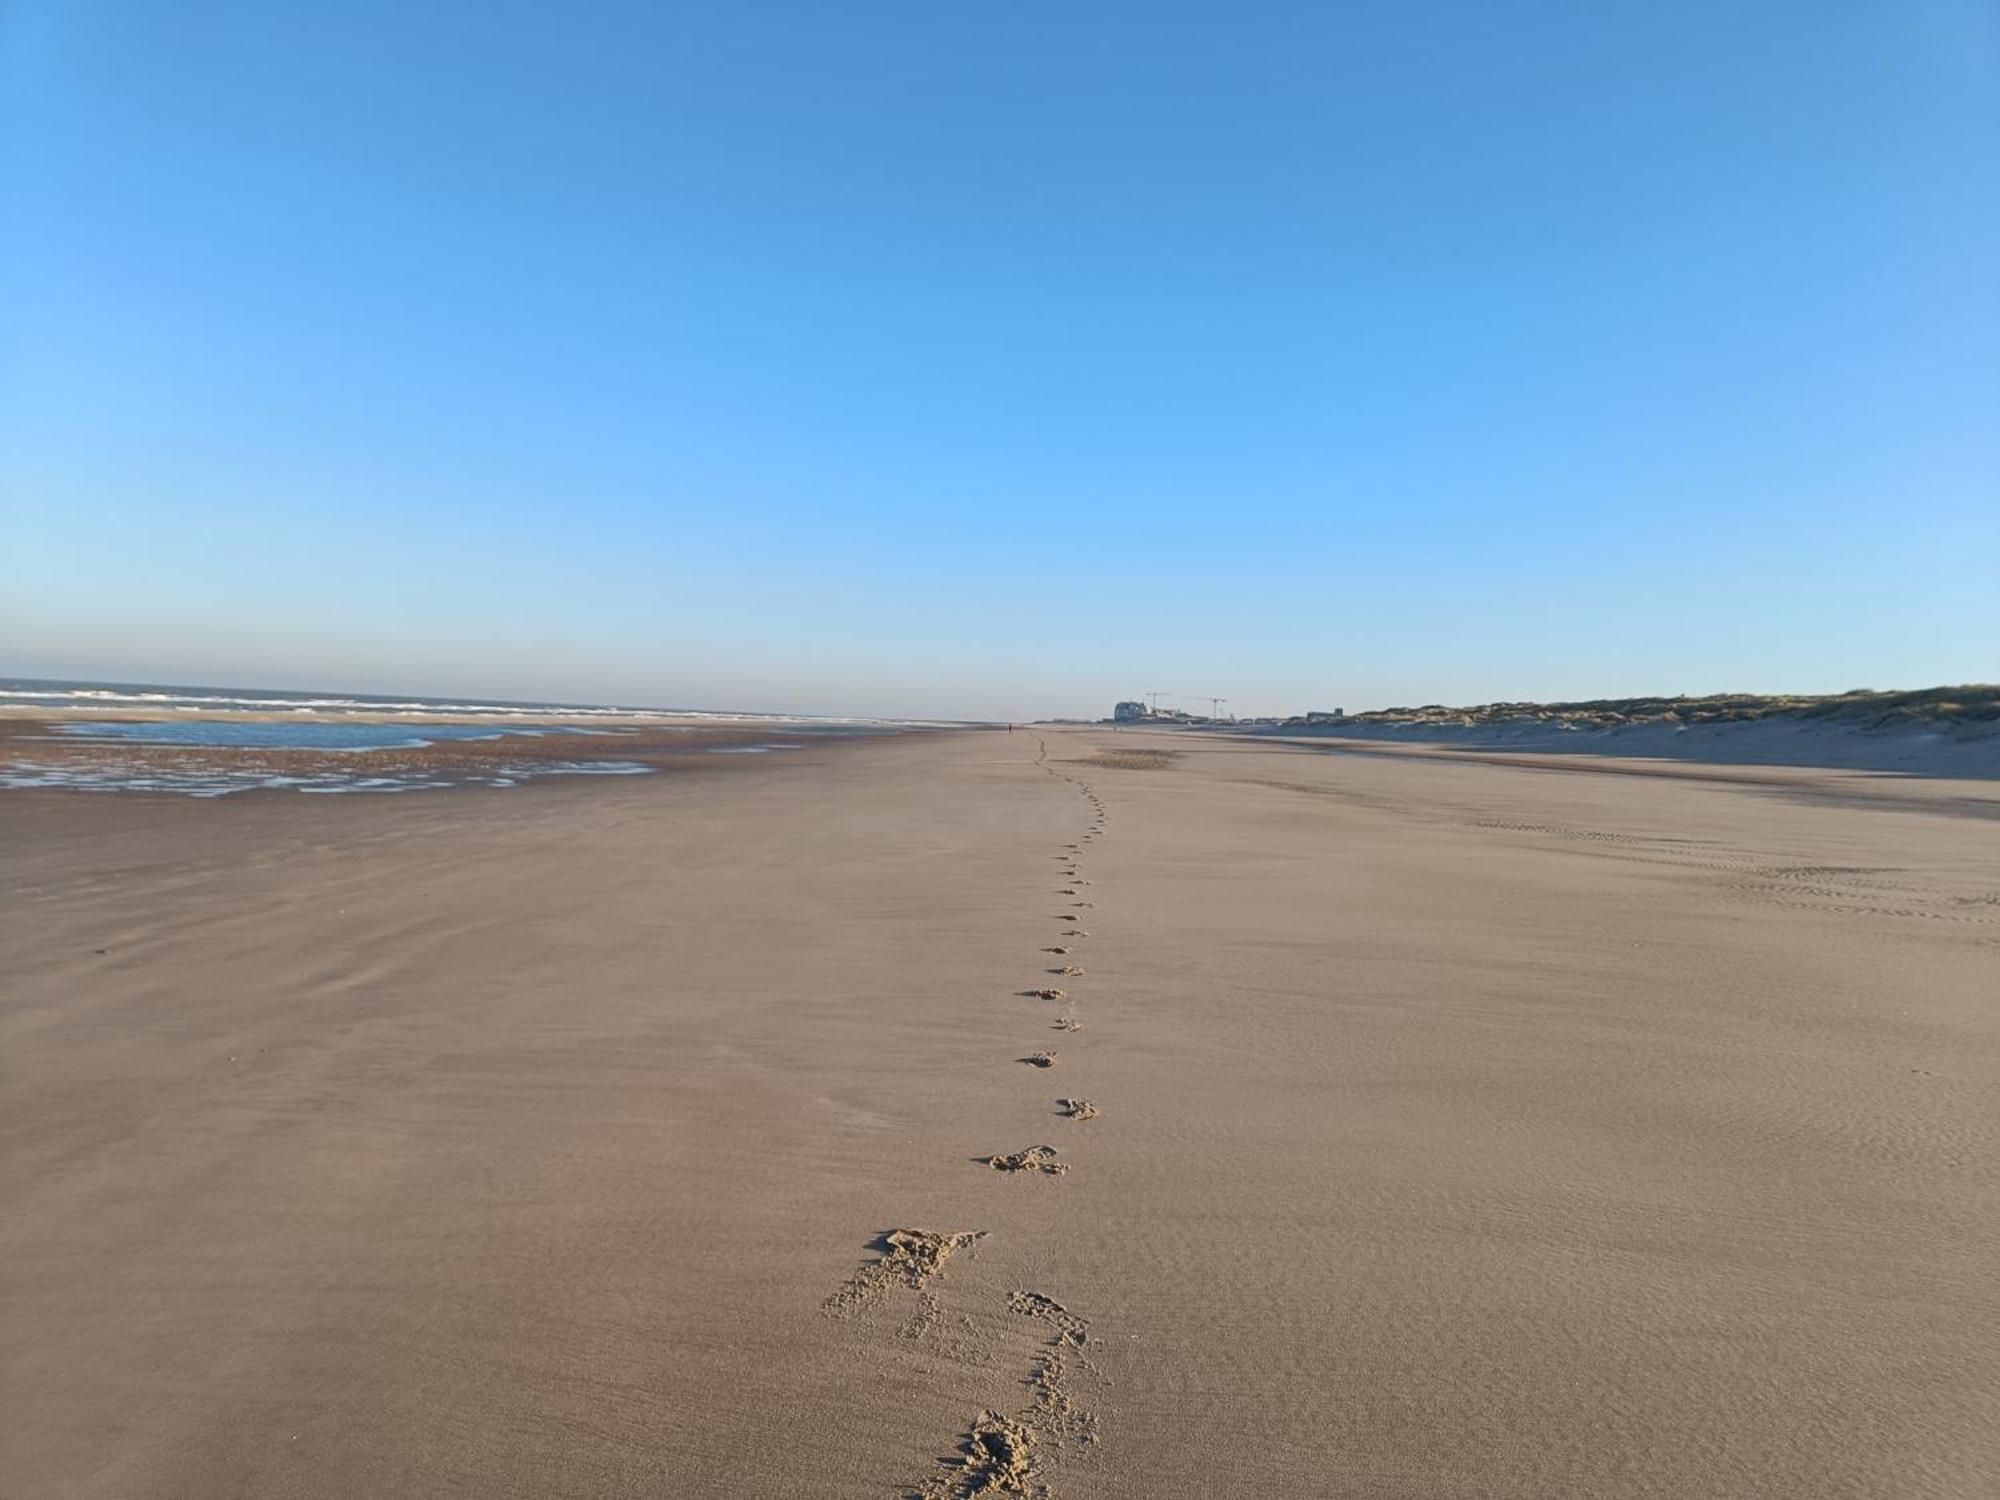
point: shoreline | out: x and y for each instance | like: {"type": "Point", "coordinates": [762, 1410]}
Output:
{"type": "Point", "coordinates": [35, 757]}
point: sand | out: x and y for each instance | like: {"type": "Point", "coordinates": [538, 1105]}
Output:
{"type": "Point", "coordinates": [33, 752]}
{"type": "Point", "coordinates": [1937, 747]}
{"type": "Point", "coordinates": [1437, 1128]}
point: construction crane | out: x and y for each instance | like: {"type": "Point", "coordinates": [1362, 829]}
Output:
{"type": "Point", "coordinates": [1214, 703]}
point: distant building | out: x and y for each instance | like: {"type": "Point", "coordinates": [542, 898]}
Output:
{"type": "Point", "coordinates": [1128, 713]}
{"type": "Point", "coordinates": [1325, 715]}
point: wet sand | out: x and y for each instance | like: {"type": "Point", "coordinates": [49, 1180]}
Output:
{"type": "Point", "coordinates": [1446, 1129]}
{"type": "Point", "coordinates": [35, 751]}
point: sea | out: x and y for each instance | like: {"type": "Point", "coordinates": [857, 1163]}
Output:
{"type": "Point", "coordinates": [228, 719]}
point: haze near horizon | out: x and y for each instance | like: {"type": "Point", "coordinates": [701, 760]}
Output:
{"type": "Point", "coordinates": [1001, 361]}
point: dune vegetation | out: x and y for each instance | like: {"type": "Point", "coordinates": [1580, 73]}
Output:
{"type": "Point", "coordinates": [1975, 704]}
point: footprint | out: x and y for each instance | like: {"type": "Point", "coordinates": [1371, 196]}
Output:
{"type": "Point", "coordinates": [996, 1458]}
{"type": "Point", "coordinates": [1055, 950]}
{"type": "Point", "coordinates": [1070, 971]}
{"type": "Point", "coordinates": [1040, 1059]}
{"type": "Point", "coordinates": [1033, 1159]}
{"type": "Point", "coordinates": [1077, 1109]}
{"type": "Point", "coordinates": [1049, 994]}
{"type": "Point", "coordinates": [1070, 1329]}
{"type": "Point", "coordinates": [909, 1258]}
{"type": "Point", "coordinates": [1066, 1023]}
{"type": "Point", "coordinates": [1002, 1456]}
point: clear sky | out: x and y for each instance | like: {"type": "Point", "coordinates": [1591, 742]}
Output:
{"type": "Point", "coordinates": [1001, 357]}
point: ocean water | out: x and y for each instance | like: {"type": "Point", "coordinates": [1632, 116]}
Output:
{"type": "Point", "coordinates": [138, 700]}
{"type": "Point", "coordinates": [236, 734]}
{"type": "Point", "coordinates": [114, 714]}
{"type": "Point", "coordinates": [221, 780]}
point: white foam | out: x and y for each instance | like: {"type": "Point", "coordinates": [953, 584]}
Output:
{"type": "Point", "coordinates": [223, 700]}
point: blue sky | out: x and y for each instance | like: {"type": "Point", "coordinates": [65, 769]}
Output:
{"type": "Point", "coordinates": [1001, 357]}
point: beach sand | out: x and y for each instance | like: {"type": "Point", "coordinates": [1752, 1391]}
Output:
{"type": "Point", "coordinates": [1427, 1128]}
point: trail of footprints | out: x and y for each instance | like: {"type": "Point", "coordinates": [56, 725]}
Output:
{"type": "Point", "coordinates": [1001, 1454]}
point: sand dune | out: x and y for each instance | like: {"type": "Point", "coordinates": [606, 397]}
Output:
{"type": "Point", "coordinates": [1950, 732]}
{"type": "Point", "coordinates": [1430, 1129]}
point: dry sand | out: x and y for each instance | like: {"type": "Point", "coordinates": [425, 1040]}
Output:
{"type": "Point", "coordinates": [1452, 1129]}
